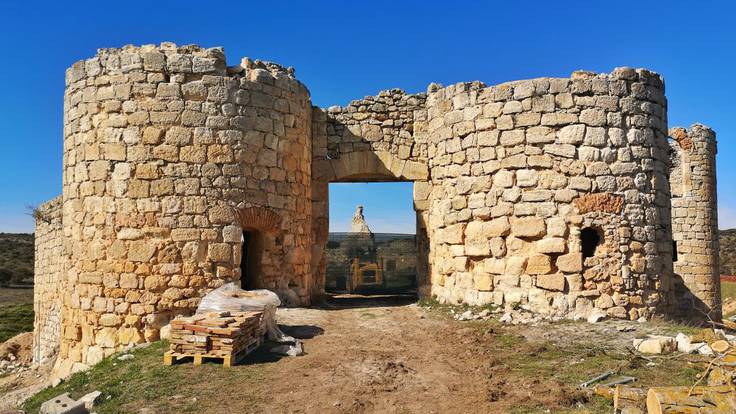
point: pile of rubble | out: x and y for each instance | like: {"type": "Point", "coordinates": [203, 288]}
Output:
{"type": "Point", "coordinates": [713, 392]}
{"type": "Point", "coordinates": [215, 333]}
{"type": "Point", "coordinates": [519, 316]}
{"type": "Point", "coordinates": [15, 354]}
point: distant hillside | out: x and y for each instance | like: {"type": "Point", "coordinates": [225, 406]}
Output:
{"type": "Point", "coordinates": [728, 252]}
{"type": "Point", "coordinates": [16, 258]}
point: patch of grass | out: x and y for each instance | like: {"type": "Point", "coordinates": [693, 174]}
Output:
{"type": "Point", "coordinates": [728, 290]}
{"type": "Point", "coordinates": [15, 319]}
{"type": "Point", "coordinates": [563, 366]}
{"type": "Point", "coordinates": [145, 383]}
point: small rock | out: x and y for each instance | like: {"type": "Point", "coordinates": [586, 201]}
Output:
{"type": "Point", "coordinates": [596, 315]}
{"type": "Point", "coordinates": [484, 313]}
{"type": "Point", "coordinates": [289, 350]}
{"type": "Point", "coordinates": [506, 318]}
{"type": "Point", "coordinates": [655, 345]}
{"type": "Point", "coordinates": [125, 357]}
{"type": "Point", "coordinates": [90, 399]}
{"type": "Point", "coordinates": [683, 343]}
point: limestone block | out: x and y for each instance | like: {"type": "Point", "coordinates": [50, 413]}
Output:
{"type": "Point", "coordinates": [512, 138]}
{"type": "Point", "coordinates": [154, 282]}
{"type": "Point", "coordinates": [504, 179]}
{"type": "Point", "coordinates": [220, 214]}
{"type": "Point", "coordinates": [129, 335]}
{"type": "Point", "coordinates": [110, 319]}
{"type": "Point", "coordinates": [550, 245]}
{"type": "Point", "coordinates": [539, 264]}
{"type": "Point", "coordinates": [530, 227]}
{"type": "Point", "coordinates": [129, 234]}
{"type": "Point", "coordinates": [604, 301]}
{"type": "Point", "coordinates": [106, 337]}
{"type": "Point", "coordinates": [540, 135]}
{"type": "Point", "coordinates": [551, 282]}
{"type": "Point", "coordinates": [571, 134]}
{"type": "Point", "coordinates": [477, 247]}
{"type": "Point", "coordinates": [129, 281]}
{"type": "Point", "coordinates": [656, 345]}
{"type": "Point", "coordinates": [451, 234]}
{"type": "Point", "coordinates": [515, 265]}
{"type": "Point", "coordinates": [556, 227]}
{"type": "Point", "coordinates": [141, 250]}
{"type": "Point", "coordinates": [483, 281]}
{"type": "Point", "coordinates": [526, 178]}
{"type": "Point", "coordinates": [219, 252]}
{"type": "Point", "coordinates": [498, 247]}
{"type": "Point", "coordinates": [618, 312]}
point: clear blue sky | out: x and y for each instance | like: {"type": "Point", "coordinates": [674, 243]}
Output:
{"type": "Point", "coordinates": [344, 50]}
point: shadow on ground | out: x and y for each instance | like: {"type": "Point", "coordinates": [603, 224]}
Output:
{"type": "Point", "coordinates": [333, 301]}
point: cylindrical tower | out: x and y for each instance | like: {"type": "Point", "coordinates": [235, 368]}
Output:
{"type": "Point", "coordinates": [551, 194]}
{"type": "Point", "coordinates": [695, 222]}
{"type": "Point", "coordinates": [173, 163]}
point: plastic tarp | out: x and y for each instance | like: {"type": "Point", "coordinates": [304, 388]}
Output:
{"type": "Point", "coordinates": [229, 297]}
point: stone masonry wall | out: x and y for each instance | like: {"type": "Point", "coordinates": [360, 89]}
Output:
{"type": "Point", "coordinates": [163, 146]}
{"type": "Point", "coordinates": [47, 281]}
{"type": "Point", "coordinates": [695, 221]}
{"type": "Point", "coordinates": [519, 169]}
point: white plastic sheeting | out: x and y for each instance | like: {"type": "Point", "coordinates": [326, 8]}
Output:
{"type": "Point", "coordinates": [229, 297]}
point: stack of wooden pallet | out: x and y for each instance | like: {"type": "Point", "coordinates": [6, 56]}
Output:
{"type": "Point", "coordinates": [216, 334]}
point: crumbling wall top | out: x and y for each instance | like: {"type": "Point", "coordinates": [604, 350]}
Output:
{"type": "Point", "coordinates": [172, 59]}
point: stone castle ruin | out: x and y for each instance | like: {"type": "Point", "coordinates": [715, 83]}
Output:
{"type": "Point", "coordinates": [180, 173]}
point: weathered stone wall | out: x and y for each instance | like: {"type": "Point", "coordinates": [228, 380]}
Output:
{"type": "Point", "coordinates": [519, 169]}
{"type": "Point", "coordinates": [47, 281]}
{"type": "Point", "coordinates": [163, 147]}
{"type": "Point", "coordinates": [695, 221]}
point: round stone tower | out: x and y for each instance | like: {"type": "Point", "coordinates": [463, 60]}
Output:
{"type": "Point", "coordinates": [695, 222]}
{"type": "Point", "coordinates": [551, 194]}
{"type": "Point", "coordinates": [175, 167]}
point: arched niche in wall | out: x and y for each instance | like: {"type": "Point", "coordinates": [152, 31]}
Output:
{"type": "Point", "coordinates": [261, 227]}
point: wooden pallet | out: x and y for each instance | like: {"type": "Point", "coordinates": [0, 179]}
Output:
{"type": "Point", "coordinates": [171, 357]}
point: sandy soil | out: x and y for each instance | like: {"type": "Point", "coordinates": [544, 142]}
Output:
{"type": "Point", "coordinates": [377, 359]}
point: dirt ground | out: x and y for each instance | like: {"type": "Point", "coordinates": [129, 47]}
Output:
{"type": "Point", "coordinates": [378, 359]}
{"type": "Point", "coordinates": [388, 355]}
